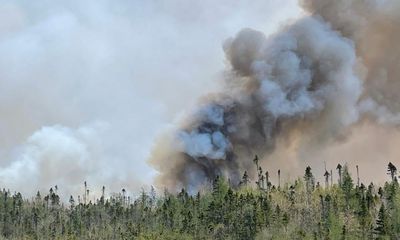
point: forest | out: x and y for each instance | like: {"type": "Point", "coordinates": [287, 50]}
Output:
{"type": "Point", "coordinates": [256, 209]}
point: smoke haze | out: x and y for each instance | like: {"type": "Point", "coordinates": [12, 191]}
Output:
{"type": "Point", "coordinates": [86, 86]}
{"type": "Point", "coordinates": [90, 90]}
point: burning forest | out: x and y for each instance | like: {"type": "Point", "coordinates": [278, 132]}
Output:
{"type": "Point", "coordinates": [291, 131]}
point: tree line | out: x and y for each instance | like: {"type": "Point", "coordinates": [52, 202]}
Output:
{"type": "Point", "coordinates": [256, 209]}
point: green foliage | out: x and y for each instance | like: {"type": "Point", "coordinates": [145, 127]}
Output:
{"type": "Point", "coordinates": [382, 224]}
{"type": "Point", "coordinates": [309, 179]}
{"type": "Point", "coordinates": [297, 210]}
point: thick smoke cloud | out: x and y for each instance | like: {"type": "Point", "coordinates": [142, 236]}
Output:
{"type": "Point", "coordinates": [302, 76]}
{"type": "Point", "coordinates": [86, 86]}
{"type": "Point", "coordinates": [374, 27]}
{"type": "Point", "coordinates": [322, 89]}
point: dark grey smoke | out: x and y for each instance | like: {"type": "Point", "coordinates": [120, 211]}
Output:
{"type": "Point", "coordinates": [302, 79]}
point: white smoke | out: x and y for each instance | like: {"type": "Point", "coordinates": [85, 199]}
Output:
{"type": "Point", "coordinates": [213, 145]}
{"type": "Point", "coordinates": [66, 66]}
{"type": "Point", "coordinates": [57, 155]}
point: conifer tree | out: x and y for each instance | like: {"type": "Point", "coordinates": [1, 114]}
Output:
{"type": "Point", "coordinates": [339, 168]}
{"type": "Point", "coordinates": [245, 179]}
{"type": "Point", "coordinates": [309, 179]}
{"type": "Point", "coordinates": [326, 175]}
{"type": "Point", "coordinates": [381, 229]}
{"type": "Point", "coordinates": [267, 180]}
{"type": "Point", "coordinates": [279, 178]}
{"type": "Point", "coordinates": [392, 170]}
{"type": "Point", "coordinates": [358, 176]}
{"type": "Point", "coordinates": [347, 185]}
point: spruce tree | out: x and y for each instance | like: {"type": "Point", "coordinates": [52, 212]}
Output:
{"type": "Point", "coordinates": [309, 179]}
{"type": "Point", "coordinates": [245, 179]}
{"type": "Point", "coordinates": [339, 168]}
{"type": "Point", "coordinates": [347, 185]}
{"type": "Point", "coordinates": [392, 170]}
{"type": "Point", "coordinates": [381, 229]}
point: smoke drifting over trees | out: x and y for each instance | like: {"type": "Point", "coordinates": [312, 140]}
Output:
{"type": "Point", "coordinates": [327, 76]}
{"type": "Point", "coordinates": [86, 86]}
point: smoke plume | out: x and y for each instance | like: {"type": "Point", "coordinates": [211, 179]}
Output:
{"type": "Point", "coordinates": [317, 84]}
{"type": "Point", "coordinates": [86, 86]}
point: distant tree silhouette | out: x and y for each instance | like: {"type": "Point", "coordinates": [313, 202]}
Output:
{"type": "Point", "coordinates": [267, 180]}
{"type": "Point", "coordinates": [255, 160]}
{"type": "Point", "coordinates": [309, 179]}
{"type": "Point", "coordinates": [279, 178]}
{"type": "Point", "coordinates": [339, 168]}
{"type": "Point", "coordinates": [245, 179]}
{"type": "Point", "coordinates": [326, 175]}
{"type": "Point", "coordinates": [392, 170]}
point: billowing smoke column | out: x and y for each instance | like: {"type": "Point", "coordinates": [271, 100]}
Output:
{"type": "Point", "coordinates": [304, 78]}
{"type": "Point", "coordinates": [374, 27]}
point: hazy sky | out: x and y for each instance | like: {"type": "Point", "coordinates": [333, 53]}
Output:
{"type": "Point", "coordinates": [87, 86]}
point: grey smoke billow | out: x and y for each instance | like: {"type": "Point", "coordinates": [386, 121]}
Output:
{"type": "Point", "coordinates": [374, 27]}
{"type": "Point", "coordinates": [303, 77]}
{"type": "Point", "coordinates": [324, 88]}
{"type": "Point", "coordinates": [86, 86]}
